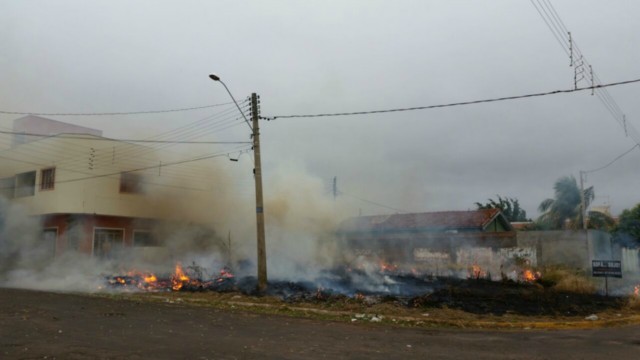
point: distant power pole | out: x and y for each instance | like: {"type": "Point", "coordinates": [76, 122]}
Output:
{"type": "Point", "coordinates": [262, 253]}
{"type": "Point", "coordinates": [583, 202]}
{"type": "Point", "coordinates": [335, 188]}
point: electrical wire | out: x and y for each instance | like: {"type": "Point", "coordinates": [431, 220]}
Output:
{"type": "Point", "coordinates": [72, 151]}
{"type": "Point", "coordinates": [98, 138]}
{"type": "Point", "coordinates": [462, 103]}
{"type": "Point", "coordinates": [612, 161]}
{"type": "Point", "coordinates": [113, 113]}
{"type": "Point", "coordinates": [197, 129]}
{"type": "Point", "coordinates": [373, 202]}
{"type": "Point", "coordinates": [557, 27]}
{"type": "Point", "coordinates": [144, 168]}
{"type": "Point", "coordinates": [560, 39]}
{"type": "Point", "coordinates": [117, 173]}
{"type": "Point", "coordinates": [80, 159]}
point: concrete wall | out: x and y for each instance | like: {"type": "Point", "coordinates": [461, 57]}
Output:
{"type": "Point", "coordinates": [569, 248]}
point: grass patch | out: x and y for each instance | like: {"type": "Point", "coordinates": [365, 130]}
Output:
{"type": "Point", "coordinates": [567, 280]}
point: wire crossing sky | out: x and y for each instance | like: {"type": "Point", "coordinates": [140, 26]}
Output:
{"type": "Point", "coordinates": [463, 103]}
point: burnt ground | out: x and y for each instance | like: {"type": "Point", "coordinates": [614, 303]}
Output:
{"type": "Point", "coordinates": [480, 296]}
{"type": "Point", "coordinates": [41, 325]}
{"type": "Point", "coordinates": [476, 296]}
{"type": "Point", "coordinates": [339, 287]}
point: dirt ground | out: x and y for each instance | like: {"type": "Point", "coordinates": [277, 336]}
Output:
{"type": "Point", "coordinates": [42, 325]}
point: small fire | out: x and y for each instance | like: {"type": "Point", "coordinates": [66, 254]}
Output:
{"type": "Point", "coordinates": [179, 278]}
{"type": "Point", "coordinates": [636, 290]}
{"type": "Point", "coordinates": [386, 267]}
{"type": "Point", "coordinates": [150, 279]}
{"type": "Point", "coordinates": [476, 272]}
{"type": "Point", "coordinates": [225, 274]}
{"type": "Point", "coordinates": [530, 276]}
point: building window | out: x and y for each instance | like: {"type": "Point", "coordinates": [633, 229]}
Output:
{"type": "Point", "coordinates": [7, 187]}
{"type": "Point", "coordinates": [107, 242]}
{"type": "Point", "coordinates": [131, 183]}
{"type": "Point", "coordinates": [143, 238]}
{"type": "Point", "coordinates": [25, 184]}
{"type": "Point", "coordinates": [47, 178]}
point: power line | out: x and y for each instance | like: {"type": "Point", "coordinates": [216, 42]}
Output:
{"type": "Point", "coordinates": [612, 161]}
{"type": "Point", "coordinates": [80, 137]}
{"type": "Point", "coordinates": [373, 202]}
{"type": "Point", "coordinates": [554, 92]}
{"type": "Point", "coordinates": [199, 158]}
{"type": "Point", "coordinates": [113, 113]}
{"type": "Point", "coordinates": [560, 39]}
{"type": "Point", "coordinates": [197, 129]}
{"type": "Point", "coordinates": [146, 168]}
{"type": "Point", "coordinates": [579, 62]}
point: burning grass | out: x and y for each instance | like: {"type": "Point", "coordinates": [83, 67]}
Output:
{"type": "Point", "coordinates": [344, 291]}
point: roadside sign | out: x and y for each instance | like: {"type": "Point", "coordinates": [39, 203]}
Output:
{"type": "Point", "coordinates": [606, 268]}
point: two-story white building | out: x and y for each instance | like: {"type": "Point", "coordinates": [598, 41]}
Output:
{"type": "Point", "coordinates": [91, 194]}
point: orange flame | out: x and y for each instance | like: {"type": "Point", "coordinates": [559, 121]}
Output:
{"type": "Point", "coordinates": [179, 278]}
{"type": "Point", "coordinates": [388, 267]}
{"type": "Point", "coordinates": [636, 290]}
{"type": "Point", "coordinates": [477, 272]}
{"type": "Point", "coordinates": [528, 275]}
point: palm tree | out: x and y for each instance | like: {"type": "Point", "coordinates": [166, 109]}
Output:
{"type": "Point", "coordinates": [510, 208]}
{"type": "Point", "coordinates": [566, 205]}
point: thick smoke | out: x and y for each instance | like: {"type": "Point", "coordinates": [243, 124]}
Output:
{"type": "Point", "coordinates": [205, 229]}
{"type": "Point", "coordinates": [210, 224]}
{"type": "Point", "coordinates": [26, 261]}
{"type": "Point", "coordinates": [302, 219]}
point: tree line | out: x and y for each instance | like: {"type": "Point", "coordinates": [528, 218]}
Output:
{"type": "Point", "coordinates": [564, 211]}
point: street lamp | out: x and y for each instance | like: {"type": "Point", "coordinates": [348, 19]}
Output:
{"type": "Point", "coordinates": [257, 171]}
{"type": "Point", "coordinates": [215, 77]}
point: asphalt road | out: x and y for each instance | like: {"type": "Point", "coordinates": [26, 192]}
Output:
{"type": "Point", "coordinates": [41, 325]}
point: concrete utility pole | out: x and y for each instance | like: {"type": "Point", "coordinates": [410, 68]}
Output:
{"type": "Point", "coordinates": [262, 252]}
{"type": "Point", "coordinates": [257, 173]}
{"type": "Point", "coordinates": [583, 207]}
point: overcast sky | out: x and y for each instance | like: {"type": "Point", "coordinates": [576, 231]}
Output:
{"type": "Point", "coordinates": [305, 57]}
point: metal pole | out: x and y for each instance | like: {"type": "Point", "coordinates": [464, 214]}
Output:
{"type": "Point", "coordinates": [262, 254]}
{"type": "Point", "coordinates": [583, 211]}
{"type": "Point", "coordinates": [583, 202]}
